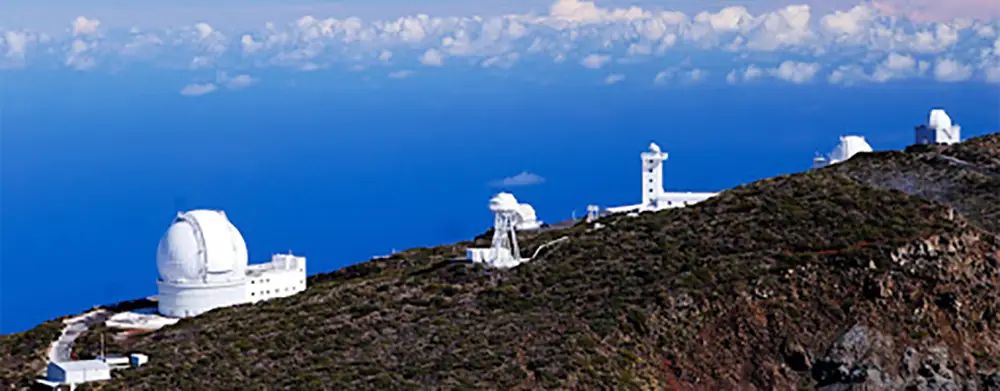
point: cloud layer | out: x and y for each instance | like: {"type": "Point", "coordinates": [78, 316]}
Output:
{"type": "Point", "coordinates": [791, 44]}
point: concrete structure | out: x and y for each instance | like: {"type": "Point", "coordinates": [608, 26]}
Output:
{"type": "Point", "coordinates": [504, 251]}
{"type": "Point", "coordinates": [848, 147]}
{"type": "Point", "coordinates": [203, 264]}
{"type": "Point", "coordinates": [938, 130]}
{"type": "Point", "coordinates": [73, 373]}
{"type": "Point", "coordinates": [654, 198]}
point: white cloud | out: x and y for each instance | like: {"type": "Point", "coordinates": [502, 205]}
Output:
{"type": "Point", "coordinates": [400, 74]}
{"type": "Point", "coordinates": [748, 74]}
{"type": "Point", "coordinates": [385, 56]}
{"type": "Point", "coordinates": [848, 75]}
{"type": "Point", "coordinates": [595, 61]}
{"type": "Point", "coordinates": [240, 81]}
{"type": "Point", "coordinates": [895, 66]}
{"type": "Point", "coordinates": [993, 74]}
{"type": "Point", "coordinates": [614, 78]}
{"type": "Point", "coordinates": [198, 89]}
{"type": "Point", "coordinates": [522, 179]}
{"type": "Point", "coordinates": [795, 72]}
{"type": "Point", "coordinates": [432, 57]}
{"type": "Point", "coordinates": [84, 26]}
{"type": "Point", "coordinates": [949, 70]}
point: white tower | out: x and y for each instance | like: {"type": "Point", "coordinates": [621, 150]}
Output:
{"type": "Point", "coordinates": [938, 130]}
{"type": "Point", "coordinates": [593, 213]}
{"type": "Point", "coordinates": [202, 262]}
{"type": "Point", "coordinates": [652, 174]}
{"type": "Point", "coordinates": [504, 251]}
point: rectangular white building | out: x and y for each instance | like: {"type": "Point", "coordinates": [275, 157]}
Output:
{"type": "Point", "coordinates": [78, 372]}
{"type": "Point", "coordinates": [284, 276]}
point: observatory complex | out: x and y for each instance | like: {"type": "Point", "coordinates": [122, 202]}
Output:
{"type": "Point", "coordinates": [202, 264]}
{"type": "Point", "coordinates": [937, 130]}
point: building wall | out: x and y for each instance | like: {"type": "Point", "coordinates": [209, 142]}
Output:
{"type": "Point", "coordinates": [928, 135]}
{"type": "Point", "coordinates": [180, 301]}
{"type": "Point", "coordinates": [284, 276]}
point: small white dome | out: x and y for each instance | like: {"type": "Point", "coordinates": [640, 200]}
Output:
{"type": "Point", "coordinates": [849, 146]}
{"type": "Point", "coordinates": [939, 120]}
{"type": "Point", "coordinates": [654, 148]}
{"type": "Point", "coordinates": [504, 202]}
{"type": "Point", "coordinates": [527, 212]}
{"type": "Point", "coordinates": [201, 246]}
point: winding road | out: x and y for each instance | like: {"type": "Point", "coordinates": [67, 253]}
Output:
{"type": "Point", "coordinates": [61, 348]}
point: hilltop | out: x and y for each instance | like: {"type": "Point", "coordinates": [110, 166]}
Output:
{"type": "Point", "coordinates": [878, 272]}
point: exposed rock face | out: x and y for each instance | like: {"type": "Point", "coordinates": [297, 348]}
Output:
{"type": "Point", "coordinates": [832, 279]}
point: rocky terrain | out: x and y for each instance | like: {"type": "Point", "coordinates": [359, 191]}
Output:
{"type": "Point", "coordinates": [877, 273]}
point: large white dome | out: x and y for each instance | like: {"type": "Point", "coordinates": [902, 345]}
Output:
{"type": "Point", "coordinates": [201, 246]}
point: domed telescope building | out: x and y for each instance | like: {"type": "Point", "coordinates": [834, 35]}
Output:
{"type": "Point", "coordinates": [203, 264]}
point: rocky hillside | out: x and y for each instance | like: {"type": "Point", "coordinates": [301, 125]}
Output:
{"type": "Point", "coordinates": [878, 273]}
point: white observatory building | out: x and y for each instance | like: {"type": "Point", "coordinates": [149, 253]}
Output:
{"type": "Point", "coordinates": [509, 216]}
{"type": "Point", "coordinates": [848, 147]}
{"type": "Point", "coordinates": [653, 196]}
{"type": "Point", "coordinates": [202, 264]}
{"type": "Point", "coordinates": [938, 130]}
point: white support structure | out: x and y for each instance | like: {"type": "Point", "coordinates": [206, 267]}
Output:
{"type": "Point", "coordinates": [504, 251]}
{"type": "Point", "coordinates": [938, 130]}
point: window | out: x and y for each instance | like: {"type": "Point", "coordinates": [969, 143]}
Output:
{"type": "Point", "coordinates": [253, 293]}
{"type": "Point", "coordinates": [650, 190]}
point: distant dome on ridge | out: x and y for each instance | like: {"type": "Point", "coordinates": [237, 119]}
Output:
{"type": "Point", "coordinates": [849, 146]}
{"type": "Point", "coordinates": [201, 246]}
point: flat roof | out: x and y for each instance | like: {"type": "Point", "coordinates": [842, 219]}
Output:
{"type": "Point", "coordinates": [80, 365]}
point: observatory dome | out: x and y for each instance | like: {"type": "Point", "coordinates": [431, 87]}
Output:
{"type": "Point", "coordinates": [939, 120]}
{"type": "Point", "coordinates": [201, 246]}
{"type": "Point", "coordinates": [849, 146]}
{"type": "Point", "coordinates": [504, 202]}
{"type": "Point", "coordinates": [527, 212]}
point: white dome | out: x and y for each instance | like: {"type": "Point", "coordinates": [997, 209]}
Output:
{"type": "Point", "coordinates": [654, 148]}
{"type": "Point", "coordinates": [849, 146]}
{"type": "Point", "coordinates": [201, 246]}
{"type": "Point", "coordinates": [939, 120]}
{"type": "Point", "coordinates": [503, 202]}
{"type": "Point", "coordinates": [527, 212]}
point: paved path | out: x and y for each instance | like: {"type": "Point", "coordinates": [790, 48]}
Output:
{"type": "Point", "coordinates": [60, 350]}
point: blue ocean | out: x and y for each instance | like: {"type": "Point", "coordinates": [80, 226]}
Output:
{"type": "Point", "coordinates": [340, 168]}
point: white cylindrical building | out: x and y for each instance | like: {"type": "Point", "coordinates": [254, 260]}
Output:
{"type": "Point", "coordinates": [202, 262]}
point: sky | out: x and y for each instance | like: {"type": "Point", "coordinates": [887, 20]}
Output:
{"type": "Point", "coordinates": [344, 130]}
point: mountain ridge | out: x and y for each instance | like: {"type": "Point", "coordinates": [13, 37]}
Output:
{"type": "Point", "coordinates": [879, 272]}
